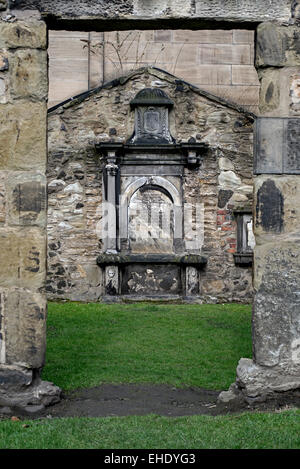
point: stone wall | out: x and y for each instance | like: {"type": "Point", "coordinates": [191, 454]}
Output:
{"type": "Point", "coordinates": [223, 183]}
{"type": "Point", "coordinates": [219, 61]}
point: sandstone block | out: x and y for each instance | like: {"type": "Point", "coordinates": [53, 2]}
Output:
{"type": "Point", "coordinates": [203, 36]}
{"type": "Point", "coordinates": [244, 75]}
{"type": "Point", "coordinates": [28, 73]}
{"type": "Point", "coordinates": [279, 93]}
{"type": "Point", "coordinates": [244, 10]}
{"type": "Point", "coordinates": [242, 36]}
{"type": "Point", "coordinates": [25, 328]}
{"type": "Point", "coordinates": [22, 258]}
{"type": "Point", "coordinates": [224, 54]}
{"type": "Point", "coordinates": [276, 310]}
{"type": "Point", "coordinates": [26, 199]}
{"type": "Point", "coordinates": [277, 46]}
{"type": "Point", "coordinates": [31, 34]}
{"type": "Point", "coordinates": [23, 135]}
{"type": "Point", "coordinates": [277, 207]}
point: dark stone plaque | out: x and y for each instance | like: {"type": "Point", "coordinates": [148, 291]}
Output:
{"type": "Point", "coordinates": [292, 146]}
{"type": "Point", "coordinates": [270, 207]}
{"type": "Point", "coordinates": [277, 145]}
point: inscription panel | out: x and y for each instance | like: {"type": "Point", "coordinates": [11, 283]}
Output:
{"type": "Point", "coordinates": [277, 146]}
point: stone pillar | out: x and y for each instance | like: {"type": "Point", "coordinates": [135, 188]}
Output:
{"type": "Point", "coordinates": [111, 171]}
{"type": "Point", "coordinates": [23, 212]}
{"type": "Point", "coordinates": [276, 310]}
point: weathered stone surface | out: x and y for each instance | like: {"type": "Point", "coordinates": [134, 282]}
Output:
{"type": "Point", "coordinates": [23, 135]}
{"type": "Point", "coordinates": [257, 382]}
{"type": "Point", "coordinates": [2, 198]}
{"type": "Point", "coordinates": [19, 388]}
{"type": "Point", "coordinates": [279, 93]}
{"type": "Point", "coordinates": [27, 198]}
{"type": "Point", "coordinates": [277, 148]}
{"type": "Point", "coordinates": [28, 74]}
{"type": "Point", "coordinates": [242, 11]}
{"type": "Point", "coordinates": [270, 207]}
{"type": "Point", "coordinates": [3, 61]}
{"type": "Point", "coordinates": [277, 207]}
{"type": "Point", "coordinates": [277, 46]}
{"type": "Point", "coordinates": [16, 379]}
{"type": "Point", "coordinates": [75, 184]}
{"type": "Point", "coordinates": [25, 328]}
{"type": "Point", "coordinates": [270, 90]}
{"type": "Point", "coordinates": [23, 255]}
{"type": "Point", "coordinates": [31, 34]}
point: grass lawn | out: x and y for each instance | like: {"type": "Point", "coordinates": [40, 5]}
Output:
{"type": "Point", "coordinates": [182, 345]}
{"type": "Point", "coordinates": [246, 431]}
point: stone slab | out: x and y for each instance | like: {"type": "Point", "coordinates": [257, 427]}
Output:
{"type": "Point", "coordinates": [25, 328]}
{"type": "Point", "coordinates": [29, 74]}
{"type": "Point", "coordinates": [276, 309]}
{"type": "Point", "coordinates": [26, 198]}
{"type": "Point", "coordinates": [23, 135]}
{"type": "Point", "coordinates": [276, 146]}
{"type": "Point", "coordinates": [277, 46]}
{"type": "Point", "coordinates": [31, 34]}
{"type": "Point", "coordinates": [242, 11]}
{"type": "Point", "coordinates": [22, 257]}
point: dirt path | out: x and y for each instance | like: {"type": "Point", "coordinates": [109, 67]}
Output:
{"type": "Point", "coordinates": [133, 399]}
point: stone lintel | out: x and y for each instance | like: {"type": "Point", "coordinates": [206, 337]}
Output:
{"type": "Point", "coordinates": [184, 153]}
{"type": "Point", "coordinates": [95, 15]}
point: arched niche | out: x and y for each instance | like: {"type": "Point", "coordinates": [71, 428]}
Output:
{"type": "Point", "coordinates": [151, 215]}
{"type": "Point", "coordinates": [151, 220]}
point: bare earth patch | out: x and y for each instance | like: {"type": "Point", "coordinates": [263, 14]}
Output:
{"type": "Point", "coordinates": [133, 399]}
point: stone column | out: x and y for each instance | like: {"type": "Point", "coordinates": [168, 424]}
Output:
{"type": "Point", "coordinates": [276, 310]}
{"type": "Point", "coordinates": [111, 271]}
{"type": "Point", "coordinates": [23, 212]}
{"type": "Point", "coordinates": [111, 171]}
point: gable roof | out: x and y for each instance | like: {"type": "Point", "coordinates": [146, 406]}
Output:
{"type": "Point", "coordinates": [158, 73]}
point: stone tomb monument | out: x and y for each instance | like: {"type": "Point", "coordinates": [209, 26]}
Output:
{"type": "Point", "coordinates": [150, 194]}
{"type": "Point", "coordinates": [147, 255]}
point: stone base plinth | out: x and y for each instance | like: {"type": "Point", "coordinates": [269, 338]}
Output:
{"type": "Point", "coordinates": [255, 383]}
{"type": "Point", "coordinates": [21, 388]}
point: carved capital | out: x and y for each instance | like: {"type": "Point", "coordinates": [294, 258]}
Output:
{"type": "Point", "coordinates": [112, 169]}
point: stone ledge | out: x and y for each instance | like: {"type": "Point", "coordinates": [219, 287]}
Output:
{"type": "Point", "coordinates": [126, 259]}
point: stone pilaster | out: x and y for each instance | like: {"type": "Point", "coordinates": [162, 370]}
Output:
{"type": "Point", "coordinates": [23, 215]}
{"type": "Point", "coordinates": [111, 172]}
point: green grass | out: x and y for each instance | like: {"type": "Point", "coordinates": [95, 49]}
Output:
{"type": "Point", "coordinates": [247, 431]}
{"type": "Point", "coordinates": [182, 345]}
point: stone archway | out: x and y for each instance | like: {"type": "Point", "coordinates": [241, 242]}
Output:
{"type": "Point", "coordinates": [276, 362]}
